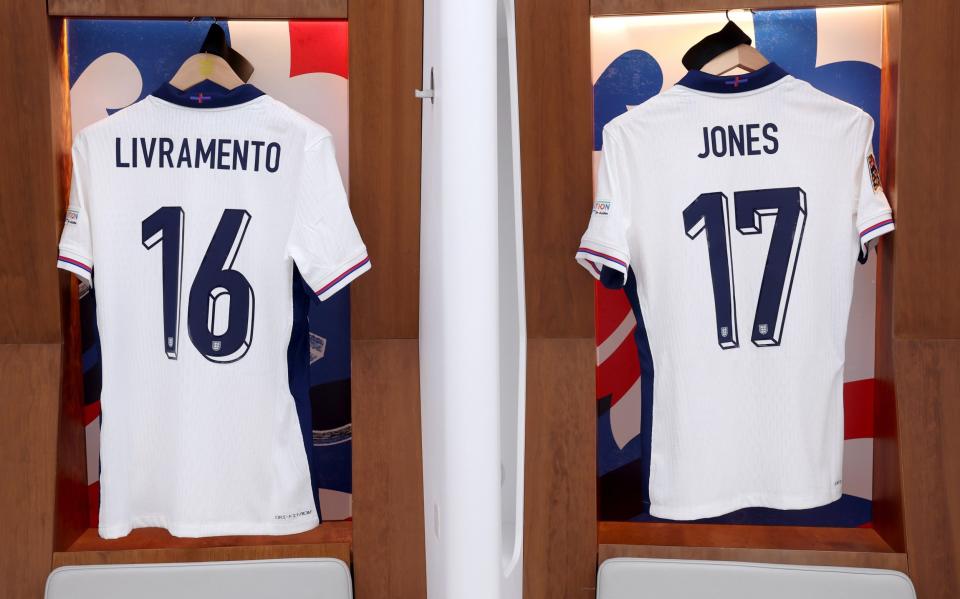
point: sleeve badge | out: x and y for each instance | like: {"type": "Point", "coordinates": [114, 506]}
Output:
{"type": "Point", "coordinates": [874, 172]}
{"type": "Point", "coordinates": [601, 207]}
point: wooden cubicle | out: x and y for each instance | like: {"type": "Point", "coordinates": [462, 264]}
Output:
{"type": "Point", "coordinates": [42, 496]}
{"type": "Point", "coordinates": [917, 449]}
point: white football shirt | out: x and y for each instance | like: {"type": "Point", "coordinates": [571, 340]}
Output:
{"type": "Point", "coordinates": [191, 212]}
{"type": "Point", "coordinates": [740, 204]}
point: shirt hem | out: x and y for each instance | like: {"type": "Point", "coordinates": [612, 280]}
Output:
{"type": "Point", "coordinates": [712, 510]}
{"type": "Point", "coordinates": [219, 529]}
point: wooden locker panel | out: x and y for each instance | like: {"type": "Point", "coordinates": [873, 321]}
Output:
{"type": "Point", "coordinates": [340, 551]}
{"type": "Point", "coordinates": [634, 7]}
{"type": "Point", "coordinates": [556, 138]}
{"type": "Point", "coordinates": [887, 487]}
{"type": "Point", "coordinates": [28, 444]}
{"type": "Point", "coordinates": [386, 53]}
{"type": "Point", "coordinates": [807, 545]}
{"type": "Point", "coordinates": [32, 150]}
{"type": "Point", "coordinates": [928, 400]}
{"type": "Point", "coordinates": [71, 508]}
{"type": "Point", "coordinates": [32, 154]}
{"type": "Point", "coordinates": [799, 557]}
{"type": "Point", "coordinates": [927, 278]}
{"type": "Point", "coordinates": [560, 515]}
{"type": "Point", "coordinates": [156, 545]}
{"type": "Point", "coordinates": [235, 9]}
{"type": "Point", "coordinates": [388, 545]}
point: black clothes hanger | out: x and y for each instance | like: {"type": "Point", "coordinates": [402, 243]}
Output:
{"type": "Point", "coordinates": [216, 43]}
{"type": "Point", "coordinates": [714, 45]}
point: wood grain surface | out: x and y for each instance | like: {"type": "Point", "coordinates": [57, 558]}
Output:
{"type": "Point", "coordinates": [71, 510]}
{"type": "Point", "coordinates": [386, 52]}
{"type": "Point", "coordinates": [887, 490]}
{"type": "Point", "coordinates": [160, 538]}
{"type": "Point", "coordinates": [928, 400]}
{"type": "Point", "coordinates": [742, 536]}
{"type": "Point", "coordinates": [30, 156]}
{"type": "Point", "coordinates": [855, 559]}
{"type": "Point", "coordinates": [28, 443]}
{"type": "Point", "coordinates": [556, 144]}
{"type": "Point", "coordinates": [560, 512]}
{"type": "Point", "coordinates": [388, 543]}
{"type": "Point", "coordinates": [235, 9]}
{"type": "Point", "coordinates": [807, 545]}
{"type": "Point", "coordinates": [32, 151]}
{"type": "Point", "coordinates": [339, 551]}
{"type": "Point", "coordinates": [926, 288]}
{"type": "Point", "coordinates": [639, 7]}
{"type": "Point", "coordinates": [927, 277]}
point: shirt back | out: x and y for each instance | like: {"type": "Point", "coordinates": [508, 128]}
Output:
{"type": "Point", "coordinates": [741, 205]}
{"type": "Point", "coordinates": [192, 212]}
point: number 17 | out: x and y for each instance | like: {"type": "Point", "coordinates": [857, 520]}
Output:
{"type": "Point", "coordinates": [709, 213]}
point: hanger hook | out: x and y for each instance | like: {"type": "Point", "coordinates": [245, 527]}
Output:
{"type": "Point", "coordinates": [727, 13]}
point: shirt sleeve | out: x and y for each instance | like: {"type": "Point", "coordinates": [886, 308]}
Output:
{"type": "Point", "coordinates": [874, 216]}
{"type": "Point", "coordinates": [76, 246]}
{"type": "Point", "coordinates": [604, 244]}
{"type": "Point", "coordinates": [324, 241]}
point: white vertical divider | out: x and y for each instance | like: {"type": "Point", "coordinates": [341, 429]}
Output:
{"type": "Point", "coordinates": [513, 329]}
{"type": "Point", "coordinates": [460, 302]}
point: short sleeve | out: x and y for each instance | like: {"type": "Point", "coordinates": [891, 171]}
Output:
{"type": "Point", "coordinates": [874, 216]}
{"type": "Point", "coordinates": [324, 241]}
{"type": "Point", "coordinates": [76, 247]}
{"type": "Point", "coordinates": [605, 242]}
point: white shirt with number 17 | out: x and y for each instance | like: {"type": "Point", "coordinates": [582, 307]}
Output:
{"type": "Point", "coordinates": [738, 207]}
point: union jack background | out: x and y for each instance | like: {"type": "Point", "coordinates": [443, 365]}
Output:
{"type": "Point", "coordinates": [114, 63]}
{"type": "Point", "coordinates": [839, 51]}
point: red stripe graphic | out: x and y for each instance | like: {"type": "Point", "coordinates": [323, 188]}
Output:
{"type": "Point", "coordinates": [876, 226]}
{"type": "Point", "coordinates": [75, 263]}
{"type": "Point", "coordinates": [90, 412]}
{"type": "Point", "coordinates": [341, 277]}
{"type": "Point", "coordinates": [612, 307]}
{"type": "Point", "coordinates": [602, 255]}
{"type": "Point", "coordinates": [319, 47]}
{"type": "Point", "coordinates": [619, 372]}
{"type": "Point", "coordinates": [858, 398]}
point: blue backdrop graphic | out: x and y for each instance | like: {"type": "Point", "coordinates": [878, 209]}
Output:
{"type": "Point", "coordinates": [787, 37]}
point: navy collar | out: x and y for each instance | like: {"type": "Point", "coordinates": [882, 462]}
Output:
{"type": "Point", "coordinates": [207, 94]}
{"type": "Point", "coordinates": [732, 84]}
